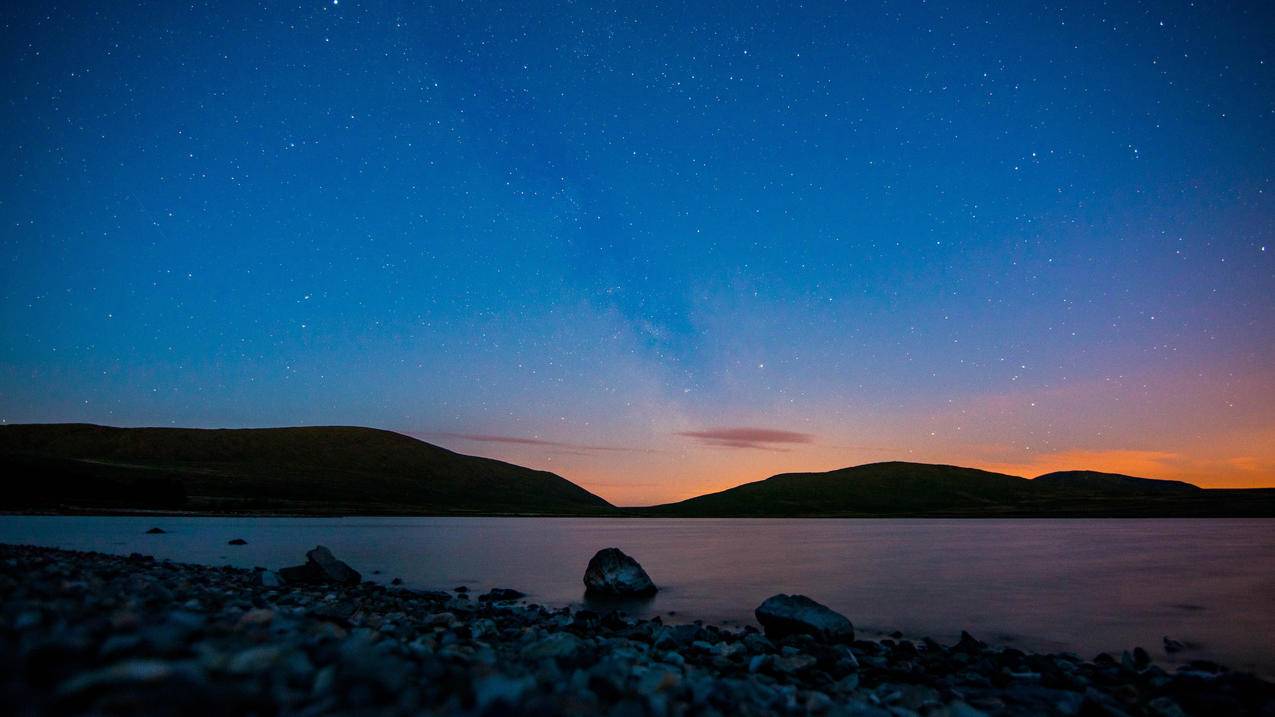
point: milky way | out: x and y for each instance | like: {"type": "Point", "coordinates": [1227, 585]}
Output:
{"type": "Point", "coordinates": [659, 249]}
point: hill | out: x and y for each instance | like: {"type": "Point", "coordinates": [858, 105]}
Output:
{"type": "Point", "coordinates": [1093, 483]}
{"type": "Point", "coordinates": [313, 471]}
{"type": "Point", "coordinates": [337, 470]}
{"type": "Point", "coordinates": [898, 489]}
{"type": "Point", "coordinates": [869, 490]}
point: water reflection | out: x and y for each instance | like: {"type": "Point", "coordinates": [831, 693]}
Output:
{"type": "Point", "coordinates": [1079, 585]}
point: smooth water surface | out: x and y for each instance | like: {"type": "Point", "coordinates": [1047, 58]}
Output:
{"type": "Point", "coordinates": [1080, 585]}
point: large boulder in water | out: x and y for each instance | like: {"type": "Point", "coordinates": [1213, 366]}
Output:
{"type": "Point", "coordinates": [783, 615]}
{"type": "Point", "coordinates": [612, 573]}
{"type": "Point", "coordinates": [321, 567]}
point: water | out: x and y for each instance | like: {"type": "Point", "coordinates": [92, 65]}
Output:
{"type": "Point", "coordinates": [1079, 585]}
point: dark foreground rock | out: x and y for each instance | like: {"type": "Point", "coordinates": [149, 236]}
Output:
{"type": "Point", "coordinates": [784, 615]}
{"type": "Point", "coordinates": [501, 595]}
{"type": "Point", "coordinates": [85, 633]}
{"type": "Point", "coordinates": [321, 567]}
{"type": "Point", "coordinates": [611, 573]}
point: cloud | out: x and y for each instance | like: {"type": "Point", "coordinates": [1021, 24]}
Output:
{"type": "Point", "coordinates": [523, 441]}
{"type": "Point", "coordinates": [744, 437]}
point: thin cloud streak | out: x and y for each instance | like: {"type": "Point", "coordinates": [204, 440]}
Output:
{"type": "Point", "coordinates": [523, 441]}
{"type": "Point", "coordinates": [746, 437]}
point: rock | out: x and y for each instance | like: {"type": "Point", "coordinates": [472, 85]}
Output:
{"type": "Point", "coordinates": [790, 664]}
{"type": "Point", "coordinates": [557, 645]}
{"type": "Point", "coordinates": [845, 658]}
{"type": "Point", "coordinates": [756, 642]}
{"type": "Point", "coordinates": [818, 703]}
{"type": "Point", "coordinates": [501, 595]}
{"type": "Point", "coordinates": [89, 633]}
{"type": "Point", "coordinates": [268, 579]}
{"type": "Point", "coordinates": [441, 619]}
{"type": "Point", "coordinates": [483, 628]}
{"type": "Point", "coordinates": [119, 645]}
{"type": "Point", "coordinates": [254, 660]}
{"type": "Point", "coordinates": [500, 690]}
{"type": "Point", "coordinates": [612, 573]}
{"type": "Point", "coordinates": [461, 606]}
{"type": "Point", "coordinates": [123, 674]}
{"type": "Point", "coordinates": [1141, 658]}
{"type": "Point", "coordinates": [324, 681]}
{"type": "Point", "coordinates": [658, 679]}
{"type": "Point", "coordinates": [156, 531]}
{"type": "Point", "coordinates": [969, 645]}
{"type": "Point", "coordinates": [339, 612]}
{"type": "Point", "coordinates": [1164, 707]}
{"type": "Point", "coordinates": [256, 616]}
{"type": "Point", "coordinates": [676, 636]}
{"type": "Point", "coordinates": [321, 567]}
{"type": "Point", "coordinates": [237, 541]}
{"type": "Point", "coordinates": [784, 615]}
{"type": "Point", "coordinates": [1099, 703]}
{"type": "Point", "coordinates": [916, 698]}
{"type": "Point", "coordinates": [960, 709]}
{"type": "Point", "coordinates": [730, 650]}
{"type": "Point", "coordinates": [847, 684]}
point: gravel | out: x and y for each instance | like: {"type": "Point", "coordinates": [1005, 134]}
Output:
{"type": "Point", "coordinates": [92, 633]}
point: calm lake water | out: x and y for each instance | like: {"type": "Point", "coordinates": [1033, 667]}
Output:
{"type": "Point", "coordinates": [1080, 585]}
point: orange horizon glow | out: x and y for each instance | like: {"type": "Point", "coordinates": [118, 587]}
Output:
{"type": "Point", "coordinates": [630, 485]}
{"type": "Point", "coordinates": [1211, 433]}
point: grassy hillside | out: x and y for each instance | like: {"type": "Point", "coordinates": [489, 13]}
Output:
{"type": "Point", "coordinates": [325, 470]}
{"type": "Point", "coordinates": [919, 489]}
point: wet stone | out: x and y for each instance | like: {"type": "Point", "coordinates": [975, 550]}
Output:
{"type": "Point", "coordinates": [98, 634]}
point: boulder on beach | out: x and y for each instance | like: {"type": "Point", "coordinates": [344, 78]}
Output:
{"type": "Point", "coordinates": [501, 595]}
{"type": "Point", "coordinates": [156, 531]}
{"type": "Point", "coordinates": [268, 579]}
{"type": "Point", "coordinates": [612, 573]}
{"type": "Point", "coordinates": [783, 615]}
{"type": "Point", "coordinates": [969, 644]}
{"type": "Point", "coordinates": [321, 567]}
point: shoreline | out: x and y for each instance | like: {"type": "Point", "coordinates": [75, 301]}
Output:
{"type": "Point", "coordinates": [636, 514]}
{"type": "Point", "coordinates": [88, 632]}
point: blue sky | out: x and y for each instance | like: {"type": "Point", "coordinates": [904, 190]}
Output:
{"type": "Point", "coordinates": [538, 230]}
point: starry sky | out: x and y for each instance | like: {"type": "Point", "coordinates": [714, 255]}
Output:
{"type": "Point", "coordinates": [658, 248]}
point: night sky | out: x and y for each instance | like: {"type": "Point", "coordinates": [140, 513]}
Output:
{"type": "Point", "coordinates": [659, 249]}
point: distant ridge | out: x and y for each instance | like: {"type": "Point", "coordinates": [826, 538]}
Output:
{"type": "Point", "coordinates": [899, 489]}
{"type": "Point", "coordinates": [340, 470]}
{"type": "Point", "coordinates": [314, 471]}
{"type": "Point", "coordinates": [1111, 484]}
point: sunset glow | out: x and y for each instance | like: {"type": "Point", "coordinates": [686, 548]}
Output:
{"type": "Point", "coordinates": [657, 251]}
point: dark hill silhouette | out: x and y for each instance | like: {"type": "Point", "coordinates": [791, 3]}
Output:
{"type": "Point", "coordinates": [919, 489]}
{"type": "Point", "coordinates": [322, 470]}
{"type": "Point", "coordinates": [873, 489]}
{"type": "Point", "coordinates": [1110, 484]}
{"type": "Point", "coordinates": [346, 470]}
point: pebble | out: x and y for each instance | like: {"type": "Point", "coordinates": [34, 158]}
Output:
{"type": "Point", "coordinates": [92, 633]}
